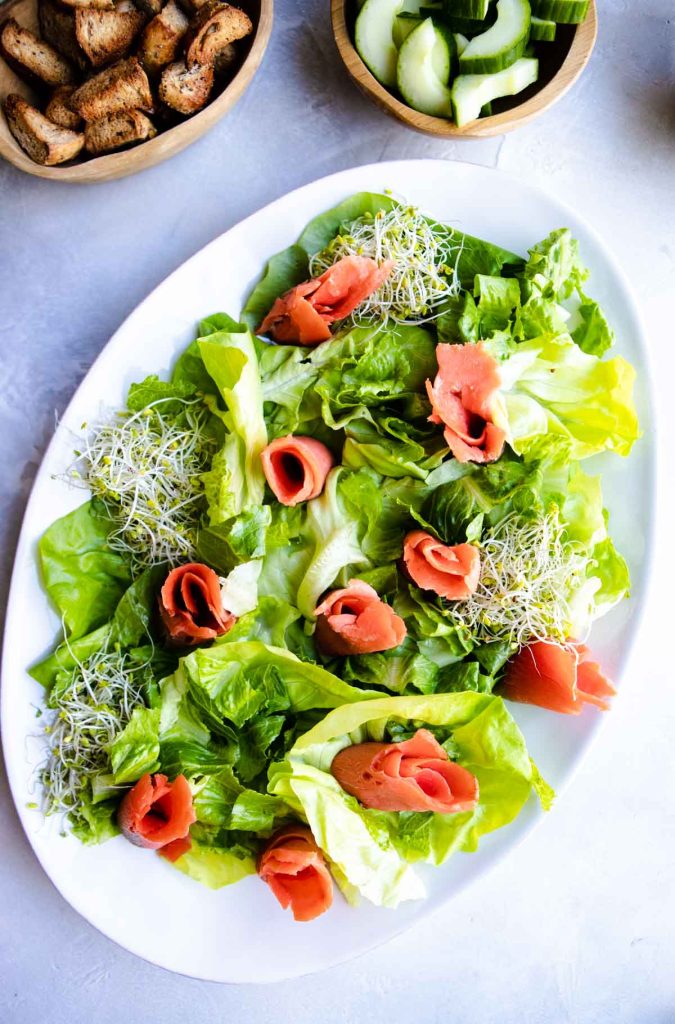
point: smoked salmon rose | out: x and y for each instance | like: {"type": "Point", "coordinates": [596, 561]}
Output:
{"type": "Point", "coordinates": [302, 316]}
{"type": "Point", "coordinates": [356, 621]}
{"type": "Point", "coordinates": [415, 775]}
{"type": "Point", "coordinates": [296, 468]}
{"type": "Point", "coordinates": [293, 867]}
{"type": "Point", "coordinates": [157, 812]}
{"type": "Point", "coordinates": [557, 678]}
{"type": "Point", "coordinates": [464, 397]}
{"type": "Point", "coordinates": [451, 572]}
{"type": "Point", "coordinates": [191, 606]}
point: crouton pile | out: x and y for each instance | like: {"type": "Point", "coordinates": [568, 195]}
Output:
{"type": "Point", "coordinates": [112, 73]}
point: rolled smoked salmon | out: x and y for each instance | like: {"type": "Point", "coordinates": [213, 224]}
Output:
{"type": "Point", "coordinates": [451, 572]}
{"type": "Point", "coordinates": [303, 315]}
{"type": "Point", "coordinates": [415, 775]}
{"type": "Point", "coordinates": [296, 468]}
{"type": "Point", "coordinates": [293, 867]}
{"type": "Point", "coordinates": [463, 397]}
{"type": "Point", "coordinates": [557, 678]}
{"type": "Point", "coordinates": [156, 812]}
{"type": "Point", "coordinates": [191, 606]}
{"type": "Point", "coordinates": [356, 621]}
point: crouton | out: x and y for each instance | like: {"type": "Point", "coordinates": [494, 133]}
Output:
{"type": "Point", "coordinates": [186, 90]}
{"type": "Point", "coordinates": [150, 7]}
{"type": "Point", "coordinates": [105, 36]}
{"type": "Point", "coordinates": [97, 5]}
{"type": "Point", "coordinates": [58, 109]}
{"type": "Point", "coordinates": [44, 142]}
{"type": "Point", "coordinates": [32, 58]}
{"type": "Point", "coordinates": [117, 130]}
{"type": "Point", "coordinates": [57, 27]}
{"type": "Point", "coordinates": [215, 27]}
{"type": "Point", "coordinates": [225, 59]}
{"type": "Point", "coordinates": [162, 37]}
{"type": "Point", "coordinates": [124, 86]}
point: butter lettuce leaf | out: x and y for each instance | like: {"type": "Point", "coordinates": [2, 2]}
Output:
{"type": "Point", "coordinates": [371, 849]}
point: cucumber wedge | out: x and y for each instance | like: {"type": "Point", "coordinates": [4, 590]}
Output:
{"type": "Point", "coordinates": [403, 25]}
{"type": "Point", "coordinates": [541, 30]}
{"type": "Point", "coordinates": [501, 45]}
{"type": "Point", "coordinates": [374, 39]}
{"type": "Point", "coordinates": [470, 93]}
{"type": "Point", "coordinates": [423, 71]}
{"type": "Point", "coordinates": [467, 26]}
{"type": "Point", "coordinates": [461, 42]}
{"type": "Point", "coordinates": [565, 12]}
{"type": "Point", "coordinates": [468, 8]}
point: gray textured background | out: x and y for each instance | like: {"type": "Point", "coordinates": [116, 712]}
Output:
{"type": "Point", "coordinates": [579, 924]}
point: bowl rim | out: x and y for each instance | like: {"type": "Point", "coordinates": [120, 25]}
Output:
{"type": "Point", "coordinates": [574, 63]}
{"type": "Point", "coordinates": [165, 144]}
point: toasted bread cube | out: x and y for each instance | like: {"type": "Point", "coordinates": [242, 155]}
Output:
{"type": "Point", "coordinates": [105, 36]}
{"type": "Point", "coordinates": [150, 7]}
{"type": "Point", "coordinates": [186, 90]}
{"type": "Point", "coordinates": [44, 142]}
{"type": "Point", "coordinates": [117, 130]}
{"type": "Point", "coordinates": [32, 58]}
{"type": "Point", "coordinates": [94, 5]}
{"type": "Point", "coordinates": [124, 86]}
{"type": "Point", "coordinates": [162, 37]}
{"type": "Point", "coordinates": [216, 26]}
{"type": "Point", "coordinates": [59, 110]}
{"type": "Point", "coordinates": [57, 27]}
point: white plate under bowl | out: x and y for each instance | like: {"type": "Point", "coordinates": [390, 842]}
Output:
{"type": "Point", "coordinates": [240, 934]}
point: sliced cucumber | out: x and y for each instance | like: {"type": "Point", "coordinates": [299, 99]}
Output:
{"type": "Point", "coordinates": [424, 65]}
{"type": "Point", "coordinates": [542, 30]}
{"type": "Point", "coordinates": [403, 25]}
{"type": "Point", "coordinates": [461, 42]}
{"type": "Point", "coordinates": [374, 38]}
{"type": "Point", "coordinates": [565, 12]}
{"type": "Point", "coordinates": [501, 45]}
{"type": "Point", "coordinates": [467, 26]}
{"type": "Point", "coordinates": [470, 93]}
{"type": "Point", "coordinates": [468, 8]}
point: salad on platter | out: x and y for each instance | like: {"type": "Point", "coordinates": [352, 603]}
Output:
{"type": "Point", "coordinates": [320, 557]}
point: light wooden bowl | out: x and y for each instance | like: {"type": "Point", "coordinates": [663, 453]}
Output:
{"type": "Point", "coordinates": [560, 64]}
{"type": "Point", "coordinates": [166, 143]}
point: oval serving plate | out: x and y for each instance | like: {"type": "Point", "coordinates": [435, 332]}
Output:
{"type": "Point", "coordinates": [191, 928]}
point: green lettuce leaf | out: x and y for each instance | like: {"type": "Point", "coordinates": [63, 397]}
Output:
{"type": "Point", "coordinates": [82, 576]}
{"type": "Point", "coordinates": [237, 540]}
{"type": "Point", "coordinates": [135, 750]}
{"type": "Point", "coordinates": [369, 848]}
{"type": "Point", "coordinates": [550, 386]}
{"type": "Point", "coordinates": [236, 480]}
{"type": "Point", "coordinates": [216, 865]}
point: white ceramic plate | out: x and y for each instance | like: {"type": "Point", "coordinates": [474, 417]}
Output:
{"type": "Point", "coordinates": [240, 934]}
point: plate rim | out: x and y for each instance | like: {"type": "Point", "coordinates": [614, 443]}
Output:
{"type": "Point", "coordinates": [25, 542]}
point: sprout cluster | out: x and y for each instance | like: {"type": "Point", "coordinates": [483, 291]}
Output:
{"type": "Point", "coordinates": [529, 573]}
{"type": "Point", "coordinates": [423, 275]}
{"type": "Point", "coordinates": [90, 705]}
{"type": "Point", "coordinates": [145, 467]}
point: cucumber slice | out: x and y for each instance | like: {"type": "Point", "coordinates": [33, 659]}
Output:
{"type": "Point", "coordinates": [467, 26]}
{"type": "Point", "coordinates": [565, 12]}
{"type": "Point", "coordinates": [403, 25]}
{"type": "Point", "coordinates": [468, 8]}
{"type": "Point", "coordinates": [470, 93]}
{"type": "Point", "coordinates": [423, 71]}
{"type": "Point", "coordinates": [461, 42]}
{"type": "Point", "coordinates": [374, 39]}
{"type": "Point", "coordinates": [542, 30]}
{"type": "Point", "coordinates": [501, 45]}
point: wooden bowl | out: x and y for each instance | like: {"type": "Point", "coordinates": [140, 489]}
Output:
{"type": "Point", "coordinates": [167, 142]}
{"type": "Point", "coordinates": [560, 64]}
